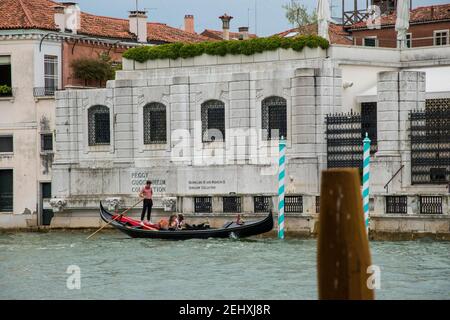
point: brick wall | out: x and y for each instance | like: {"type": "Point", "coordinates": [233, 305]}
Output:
{"type": "Point", "coordinates": [84, 50]}
{"type": "Point", "coordinates": [387, 36]}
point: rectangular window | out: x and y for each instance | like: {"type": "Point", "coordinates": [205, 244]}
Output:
{"type": "Point", "coordinates": [409, 40]}
{"type": "Point", "coordinates": [47, 142]}
{"type": "Point", "coordinates": [293, 204]}
{"type": "Point", "coordinates": [6, 190]}
{"type": "Point", "coordinates": [278, 121]}
{"type": "Point", "coordinates": [5, 76]}
{"type": "Point", "coordinates": [370, 42]}
{"type": "Point", "coordinates": [369, 123]}
{"type": "Point", "coordinates": [203, 204]}
{"type": "Point", "coordinates": [50, 74]}
{"type": "Point", "coordinates": [46, 190]}
{"type": "Point", "coordinates": [397, 204]}
{"type": "Point", "coordinates": [262, 204]}
{"type": "Point", "coordinates": [6, 144]}
{"type": "Point", "coordinates": [155, 126]}
{"type": "Point", "coordinates": [102, 128]}
{"type": "Point", "coordinates": [430, 205]}
{"type": "Point", "coordinates": [232, 204]}
{"type": "Point", "coordinates": [441, 37]}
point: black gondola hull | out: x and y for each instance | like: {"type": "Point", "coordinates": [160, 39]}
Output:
{"type": "Point", "coordinates": [242, 231]}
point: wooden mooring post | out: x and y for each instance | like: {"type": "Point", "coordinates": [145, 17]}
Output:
{"type": "Point", "coordinates": [343, 246]}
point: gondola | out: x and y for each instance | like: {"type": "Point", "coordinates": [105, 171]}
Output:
{"type": "Point", "coordinates": [230, 229]}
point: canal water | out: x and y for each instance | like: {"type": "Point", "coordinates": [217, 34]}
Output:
{"type": "Point", "coordinates": [112, 266]}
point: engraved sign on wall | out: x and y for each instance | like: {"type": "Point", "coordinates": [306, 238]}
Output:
{"type": "Point", "coordinates": [140, 177]}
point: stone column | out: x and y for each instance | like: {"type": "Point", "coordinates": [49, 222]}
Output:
{"type": "Point", "coordinates": [180, 118]}
{"type": "Point", "coordinates": [315, 92]}
{"type": "Point", "coordinates": [124, 120]}
{"type": "Point", "coordinates": [398, 94]}
{"type": "Point", "coordinates": [239, 116]}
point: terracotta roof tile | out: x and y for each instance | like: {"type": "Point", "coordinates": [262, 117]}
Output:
{"type": "Point", "coordinates": [39, 14]}
{"type": "Point", "coordinates": [418, 15]}
{"type": "Point", "coordinates": [336, 32]}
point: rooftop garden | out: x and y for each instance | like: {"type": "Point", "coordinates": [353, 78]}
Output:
{"type": "Point", "coordinates": [222, 48]}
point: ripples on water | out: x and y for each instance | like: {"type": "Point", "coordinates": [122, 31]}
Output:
{"type": "Point", "coordinates": [33, 266]}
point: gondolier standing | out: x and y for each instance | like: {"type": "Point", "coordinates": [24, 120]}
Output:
{"type": "Point", "coordinates": [147, 194]}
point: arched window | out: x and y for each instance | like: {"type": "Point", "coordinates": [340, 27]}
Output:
{"type": "Point", "coordinates": [274, 118]}
{"type": "Point", "coordinates": [99, 125]}
{"type": "Point", "coordinates": [155, 124]}
{"type": "Point", "coordinates": [213, 121]}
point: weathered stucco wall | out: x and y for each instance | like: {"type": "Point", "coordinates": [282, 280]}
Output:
{"type": "Point", "coordinates": [25, 118]}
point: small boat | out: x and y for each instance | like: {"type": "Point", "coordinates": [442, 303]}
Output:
{"type": "Point", "coordinates": [133, 228]}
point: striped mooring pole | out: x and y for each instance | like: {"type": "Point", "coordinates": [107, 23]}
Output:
{"type": "Point", "coordinates": [366, 180]}
{"type": "Point", "coordinates": [281, 188]}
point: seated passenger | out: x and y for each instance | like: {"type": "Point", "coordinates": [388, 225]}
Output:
{"type": "Point", "coordinates": [173, 222]}
{"type": "Point", "coordinates": [163, 224]}
{"type": "Point", "coordinates": [180, 221]}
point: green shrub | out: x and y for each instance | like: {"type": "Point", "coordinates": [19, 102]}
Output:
{"type": "Point", "coordinates": [91, 69]}
{"type": "Point", "coordinates": [222, 48]}
{"type": "Point", "coordinates": [5, 90]}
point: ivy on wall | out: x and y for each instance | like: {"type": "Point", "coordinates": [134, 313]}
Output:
{"type": "Point", "coordinates": [222, 48]}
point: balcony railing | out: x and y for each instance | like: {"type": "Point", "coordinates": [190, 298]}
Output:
{"type": "Point", "coordinates": [44, 91]}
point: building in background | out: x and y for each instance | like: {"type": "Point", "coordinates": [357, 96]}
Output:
{"type": "Point", "coordinates": [429, 25]}
{"type": "Point", "coordinates": [39, 42]}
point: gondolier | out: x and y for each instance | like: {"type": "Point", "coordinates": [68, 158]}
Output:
{"type": "Point", "coordinates": [147, 194]}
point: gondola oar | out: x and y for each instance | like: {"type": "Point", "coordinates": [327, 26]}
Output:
{"type": "Point", "coordinates": [119, 216]}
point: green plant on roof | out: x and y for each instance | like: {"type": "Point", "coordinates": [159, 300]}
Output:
{"type": "Point", "coordinates": [222, 48]}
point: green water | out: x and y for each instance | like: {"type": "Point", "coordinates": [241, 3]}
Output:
{"type": "Point", "coordinates": [33, 266]}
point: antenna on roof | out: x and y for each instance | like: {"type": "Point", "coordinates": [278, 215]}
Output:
{"type": "Point", "coordinates": [256, 16]}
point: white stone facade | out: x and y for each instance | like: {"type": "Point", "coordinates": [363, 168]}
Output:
{"type": "Point", "coordinates": [244, 165]}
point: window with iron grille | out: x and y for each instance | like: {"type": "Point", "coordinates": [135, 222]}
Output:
{"type": "Point", "coordinates": [99, 125]}
{"type": "Point", "coordinates": [317, 204]}
{"type": "Point", "coordinates": [430, 205]}
{"type": "Point", "coordinates": [50, 74]}
{"type": "Point", "coordinates": [46, 142]}
{"type": "Point", "coordinates": [397, 204]}
{"type": "Point", "coordinates": [155, 124]}
{"type": "Point", "coordinates": [6, 144]}
{"type": "Point", "coordinates": [293, 204]}
{"type": "Point", "coordinates": [6, 190]}
{"type": "Point", "coordinates": [213, 121]}
{"type": "Point", "coordinates": [262, 204]}
{"type": "Point", "coordinates": [232, 204]}
{"type": "Point", "coordinates": [369, 123]}
{"type": "Point", "coordinates": [274, 118]}
{"type": "Point", "coordinates": [203, 204]}
{"type": "Point", "coordinates": [430, 143]}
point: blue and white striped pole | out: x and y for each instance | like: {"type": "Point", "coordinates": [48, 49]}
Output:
{"type": "Point", "coordinates": [281, 188]}
{"type": "Point", "coordinates": [366, 180]}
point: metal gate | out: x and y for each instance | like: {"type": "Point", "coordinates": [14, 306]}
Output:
{"type": "Point", "coordinates": [430, 143]}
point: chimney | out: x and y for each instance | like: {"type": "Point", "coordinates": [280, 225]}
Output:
{"type": "Point", "coordinates": [138, 25]}
{"type": "Point", "coordinates": [189, 23]}
{"type": "Point", "coordinates": [72, 16]}
{"type": "Point", "coordinates": [60, 17]}
{"type": "Point", "coordinates": [226, 26]}
{"type": "Point", "coordinates": [243, 33]}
